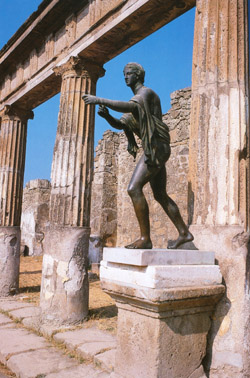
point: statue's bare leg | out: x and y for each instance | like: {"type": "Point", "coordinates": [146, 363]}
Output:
{"type": "Point", "coordinates": [158, 185]}
{"type": "Point", "coordinates": [142, 174]}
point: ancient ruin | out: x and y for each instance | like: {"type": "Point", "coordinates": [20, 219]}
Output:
{"type": "Point", "coordinates": [35, 216]}
{"type": "Point", "coordinates": [63, 48]}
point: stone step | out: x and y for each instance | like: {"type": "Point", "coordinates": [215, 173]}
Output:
{"type": "Point", "coordinates": [92, 344]}
{"type": "Point", "coordinates": [29, 355]}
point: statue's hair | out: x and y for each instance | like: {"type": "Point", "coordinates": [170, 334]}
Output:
{"type": "Point", "coordinates": [138, 69]}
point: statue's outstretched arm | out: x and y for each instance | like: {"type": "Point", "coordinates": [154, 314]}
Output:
{"type": "Point", "coordinates": [119, 106]}
{"type": "Point", "coordinates": [114, 122]}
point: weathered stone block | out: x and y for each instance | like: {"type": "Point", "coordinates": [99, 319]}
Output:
{"type": "Point", "coordinates": [174, 321]}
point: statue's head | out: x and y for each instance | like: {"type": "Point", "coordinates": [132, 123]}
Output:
{"type": "Point", "coordinates": [138, 69]}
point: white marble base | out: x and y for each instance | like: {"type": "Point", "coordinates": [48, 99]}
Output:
{"type": "Point", "coordinates": [158, 269]}
{"type": "Point", "coordinates": [145, 257]}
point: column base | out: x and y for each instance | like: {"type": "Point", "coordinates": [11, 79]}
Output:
{"type": "Point", "coordinates": [65, 289]}
{"type": "Point", "coordinates": [229, 337]}
{"type": "Point", "coordinates": [9, 260]}
{"type": "Point", "coordinates": [162, 323]}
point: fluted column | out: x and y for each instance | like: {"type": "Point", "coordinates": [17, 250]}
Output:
{"type": "Point", "coordinates": [64, 296]}
{"type": "Point", "coordinates": [218, 116]}
{"type": "Point", "coordinates": [13, 134]}
{"type": "Point", "coordinates": [218, 183]}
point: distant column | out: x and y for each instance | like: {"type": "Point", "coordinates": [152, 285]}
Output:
{"type": "Point", "coordinates": [13, 134]}
{"type": "Point", "coordinates": [64, 293]}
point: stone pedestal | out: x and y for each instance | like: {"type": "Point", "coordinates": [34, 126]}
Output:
{"type": "Point", "coordinates": [165, 300]}
{"type": "Point", "coordinates": [13, 133]}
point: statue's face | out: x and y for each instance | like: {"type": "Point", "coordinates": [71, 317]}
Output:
{"type": "Point", "coordinates": [130, 76]}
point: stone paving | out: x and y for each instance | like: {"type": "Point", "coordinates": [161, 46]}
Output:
{"type": "Point", "coordinates": [32, 350]}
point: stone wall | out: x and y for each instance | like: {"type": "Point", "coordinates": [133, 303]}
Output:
{"type": "Point", "coordinates": [103, 219]}
{"type": "Point", "coordinates": [109, 191]}
{"type": "Point", "coordinates": [35, 216]}
{"type": "Point", "coordinates": [104, 189]}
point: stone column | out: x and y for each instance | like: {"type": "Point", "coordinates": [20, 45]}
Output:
{"type": "Point", "coordinates": [13, 133]}
{"type": "Point", "coordinates": [64, 292]}
{"type": "Point", "coordinates": [218, 171]}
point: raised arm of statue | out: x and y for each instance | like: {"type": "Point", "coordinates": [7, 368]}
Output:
{"type": "Point", "coordinates": [114, 122]}
{"type": "Point", "coordinates": [119, 106]}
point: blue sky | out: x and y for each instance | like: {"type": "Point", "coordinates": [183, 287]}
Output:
{"type": "Point", "coordinates": [166, 56]}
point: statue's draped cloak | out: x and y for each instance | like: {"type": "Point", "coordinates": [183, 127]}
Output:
{"type": "Point", "coordinates": [152, 131]}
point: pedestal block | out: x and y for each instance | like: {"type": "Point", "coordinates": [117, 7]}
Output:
{"type": "Point", "coordinates": [165, 300]}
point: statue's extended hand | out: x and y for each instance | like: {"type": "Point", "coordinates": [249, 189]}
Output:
{"type": "Point", "coordinates": [89, 99]}
{"type": "Point", "coordinates": [103, 111]}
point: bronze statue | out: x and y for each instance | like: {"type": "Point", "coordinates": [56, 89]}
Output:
{"type": "Point", "coordinates": [143, 117]}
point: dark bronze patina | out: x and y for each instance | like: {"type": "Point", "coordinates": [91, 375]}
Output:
{"type": "Point", "coordinates": [143, 117]}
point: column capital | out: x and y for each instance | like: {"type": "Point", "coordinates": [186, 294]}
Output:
{"type": "Point", "coordinates": [12, 111]}
{"type": "Point", "coordinates": [77, 66]}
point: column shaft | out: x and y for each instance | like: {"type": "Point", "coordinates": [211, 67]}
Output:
{"type": "Point", "coordinates": [218, 116]}
{"type": "Point", "coordinates": [13, 134]}
{"type": "Point", "coordinates": [73, 153]}
{"type": "Point", "coordinates": [64, 295]}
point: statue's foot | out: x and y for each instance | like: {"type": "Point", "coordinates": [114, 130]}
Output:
{"type": "Point", "coordinates": [140, 244]}
{"type": "Point", "coordinates": [182, 239]}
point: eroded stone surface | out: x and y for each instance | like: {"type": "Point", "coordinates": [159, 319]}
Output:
{"type": "Point", "coordinates": [27, 312]}
{"type": "Point", "coordinates": [175, 327]}
{"type": "Point", "coordinates": [10, 305]}
{"type": "Point", "coordinates": [15, 341]}
{"type": "Point", "coordinates": [81, 371]}
{"type": "Point", "coordinates": [64, 287]}
{"type": "Point", "coordinates": [5, 320]}
{"type": "Point", "coordinates": [106, 360]}
{"type": "Point", "coordinates": [82, 337]}
{"type": "Point", "coordinates": [179, 338]}
{"type": "Point", "coordinates": [43, 362]}
{"type": "Point", "coordinates": [230, 322]}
